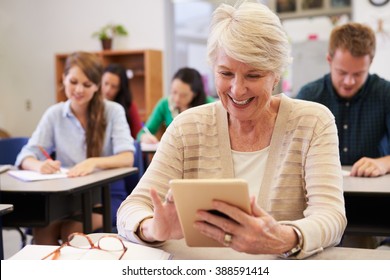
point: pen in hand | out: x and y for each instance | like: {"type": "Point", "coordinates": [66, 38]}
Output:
{"type": "Point", "coordinates": [43, 151]}
{"type": "Point", "coordinates": [47, 156]}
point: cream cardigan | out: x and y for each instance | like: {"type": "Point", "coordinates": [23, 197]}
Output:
{"type": "Point", "coordinates": [302, 183]}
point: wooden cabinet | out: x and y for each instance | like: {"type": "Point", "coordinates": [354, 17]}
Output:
{"type": "Point", "coordinates": [146, 85]}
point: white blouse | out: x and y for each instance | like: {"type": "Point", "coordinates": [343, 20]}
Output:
{"type": "Point", "coordinates": [250, 166]}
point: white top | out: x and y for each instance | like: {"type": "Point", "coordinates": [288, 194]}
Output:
{"type": "Point", "coordinates": [250, 166]}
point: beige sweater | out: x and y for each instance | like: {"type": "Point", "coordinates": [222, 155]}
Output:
{"type": "Point", "coordinates": [302, 182]}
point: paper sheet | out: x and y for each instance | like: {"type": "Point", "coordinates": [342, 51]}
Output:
{"type": "Point", "coordinates": [149, 147]}
{"type": "Point", "coordinates": [28, 176]}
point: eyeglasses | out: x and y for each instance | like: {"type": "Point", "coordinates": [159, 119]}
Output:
{"type": "Point", "coordinates": [108, 243]}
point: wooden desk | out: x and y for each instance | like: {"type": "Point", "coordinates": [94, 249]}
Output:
{"type": "Point", "coordinates": [4, 209]}
{"type": "Point", "coordinates": [41, 202]}
{"type": "Point", "coordinates": [367, 203]}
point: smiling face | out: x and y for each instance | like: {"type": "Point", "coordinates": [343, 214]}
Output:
{"type": "Point", "coordinates": [244, 91]}
{"type": "Point", "coordinates": [78, 88]}
{"type": "Point", "coordinates": [110, 85]}
{"type": "Point", "coordinates": [348, 72]}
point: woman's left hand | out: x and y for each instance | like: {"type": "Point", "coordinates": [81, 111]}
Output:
{"type": "Point", "coordinates": [258, 233]}
{"type": "Point", "coordinates": [83, 168]}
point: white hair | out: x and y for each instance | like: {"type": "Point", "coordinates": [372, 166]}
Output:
{"type": "Point", "coordinates": [250, 33]}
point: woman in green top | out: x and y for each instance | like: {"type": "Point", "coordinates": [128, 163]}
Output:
{"type": "Point", "coordinates": [187, 90]}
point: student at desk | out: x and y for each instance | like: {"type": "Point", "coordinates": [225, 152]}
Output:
{"type": "Point", "coordinates": [187, 91]}
{"type": "Point", "coordinates": [86, 132]}
{"type": "Point", "coordinates": [359, 101]}
{"type": "Point", "coordinates": [285, 149]}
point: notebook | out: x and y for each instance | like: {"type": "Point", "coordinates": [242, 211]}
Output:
{"type": "Point", "coordinates": [28, 175]}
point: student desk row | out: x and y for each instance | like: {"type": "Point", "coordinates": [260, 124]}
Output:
{"type": "Point", "coordinates": [367, 204]}
{"type": "Point", "coordinates": [39, 203]}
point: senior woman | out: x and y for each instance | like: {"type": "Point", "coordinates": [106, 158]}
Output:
{"type": "Point", "coordinates": [286, 149]}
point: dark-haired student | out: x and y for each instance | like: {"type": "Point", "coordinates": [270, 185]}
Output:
{"type": "Point", "coordinates": [187, 91]}
{"type": "Point", "coordinates": [115, 87]}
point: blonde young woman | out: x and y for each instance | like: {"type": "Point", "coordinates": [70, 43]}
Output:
{"type": "Point", "coordinates": [287, 151]}
{"type": "Point", "coordinates": [86, 133]}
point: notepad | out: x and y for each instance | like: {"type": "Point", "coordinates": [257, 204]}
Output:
{"type": "Point", "coordinates": [145, 147]}
{"type": "Point", "coordinates": [28, 175]}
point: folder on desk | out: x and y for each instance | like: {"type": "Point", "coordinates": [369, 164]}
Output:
{"type": "Point", "coordinates": [28, 175]}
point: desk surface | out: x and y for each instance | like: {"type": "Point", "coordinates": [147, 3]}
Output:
{"type": "Point", "coordinates": [11, 184]}
{"type": "Point", "coordinates": [181, 252]}
{"type": "Point", "coordinates": [366, 184]}
{"type": "Point", "coordinates": [6, 208]}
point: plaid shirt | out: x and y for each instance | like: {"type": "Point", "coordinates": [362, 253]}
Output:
{"type": "Point", "coordinates": [363, 122]}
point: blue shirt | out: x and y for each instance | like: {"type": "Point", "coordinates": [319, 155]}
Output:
{"type": "Point", "coordinates": [60, 131]}
{"type": "Point", "coordinates": [363, 122]}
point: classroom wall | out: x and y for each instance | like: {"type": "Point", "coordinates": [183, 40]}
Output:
{"type": "Point", "coordinates": [311, 54]}
{"type": "Point", "coordinates": [32, 32]}
{"type": "Point", "coordinates": [366, 13]}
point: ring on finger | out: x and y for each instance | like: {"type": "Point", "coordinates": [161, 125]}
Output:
{"type": "Point", "coordinates": [168, 199]}
{"type": "Point", "coordinates": [227, 239]}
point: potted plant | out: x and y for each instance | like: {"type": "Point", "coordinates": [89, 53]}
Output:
{"type": "Point", "coordinates": [108, 32]}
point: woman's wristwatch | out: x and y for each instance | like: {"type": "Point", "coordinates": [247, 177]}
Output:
{"type": "Point", "coordinates": [297, 248]}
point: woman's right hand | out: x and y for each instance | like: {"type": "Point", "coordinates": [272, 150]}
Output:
{"type": "Point", "coordinates": [149, 139]}
{"type": "Point", "coordinates": [165, 223]}
{"type": "Point", "coordinates": [49, 166]}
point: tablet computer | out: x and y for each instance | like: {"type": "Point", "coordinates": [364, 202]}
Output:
{"type": "Point", "coordinates": [191, 195]}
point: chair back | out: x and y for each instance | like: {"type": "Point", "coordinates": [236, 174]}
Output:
{"type": "Point", "coordinates": [10, 148]}
{"type": "Point", "coordinates": [132, 180]}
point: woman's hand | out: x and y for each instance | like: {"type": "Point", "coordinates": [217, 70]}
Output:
{"type": "Point", "coordinates": [148, 138]}
{"type": "Point", "coordinates": [83, 168]}
{"type": "Point", "coordinates": [258, 233]}
{"type": "Point", "coordinates": [165, 223]}
{"type": "Point", "coordinates": [49, 166]}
